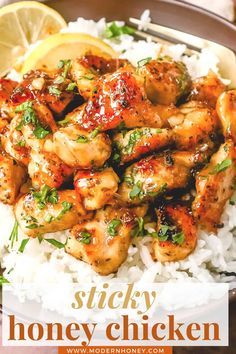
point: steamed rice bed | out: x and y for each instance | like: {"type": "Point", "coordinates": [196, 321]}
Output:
{"type": "Point", "coordinates": [214, 256]}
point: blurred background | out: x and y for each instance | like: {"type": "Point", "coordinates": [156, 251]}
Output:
{"type": "Point", "coordinates": [224, 8]}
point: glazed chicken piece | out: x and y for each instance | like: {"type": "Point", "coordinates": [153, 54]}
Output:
{"type": "Point", "coordinates": [104, 241]}
{"type": "Point", "coordinates": [48, 211]}
{"type": "Point", "coordinates": [12, 176]}
{"type": "Point", "coordinates": [79, 148]}
{"type": "Point", "coordinates": [176, 234]}
{"type": "Point", "coordinates": [96, 188]}
{"type": "Point", "coordinates": [13, 142]}
{"type": "Point", "coordinates": [215, 185]}
{"type": "Point", "coordinates": [47, 168]}
{"type": "Point", "coordinates": [130, 145]}
{"type": "Point", "coordinates": [226, 109]}
{"type": "Point", "coordinates": [165, 80]}
{"type": "Point", "coordinates": [52, 89]}
{"type": "Point", "coordinates": [195, 124]}
{"type": "Point", "coordinates": [120, 99]}
{"type": "Point", "coordinates": [6, 108]}
{"type": "Point", "coordinates": [207, 89]}
{"type": "Point", "coordinates": [32, 123]}
{"type": "Point", "coordinates": [154, 175]}
{"type": "Point", "coordinates": [6, 88]}
{"type": "Point", "coordinates": [86, 70]}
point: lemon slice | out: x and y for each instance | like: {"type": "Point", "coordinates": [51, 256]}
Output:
{"type": "Point", "coordinates": [22, 24]}
{"type": "Point", "coordinates": [65, 46]}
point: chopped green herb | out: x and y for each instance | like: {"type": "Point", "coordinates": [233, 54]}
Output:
{"type": "Point", "coordinates": [32, 226]}
{"type": "Point", "coordinates": [139, 228]}
{"type": "Point", "coordinates": [136, 191]}
{"type": "Point", "coordinates": [55, 243]}
{"type": "Point", "coordinates": [94, 133]}
{"type": "Point", "coordinates": [231, 202]}
{"type": "Point", "coordinates": [40, 133]}
{"type": "Point", "coordinates": [40, 239]}
{"type": "Point", "coordinates": [24, 106]}
{"type": "Point", "coordinates": [112, 227]}
{"type": "Point", "coordinates": [64, 64]}
{"type": "Point", "coordinates": [222, 166]}
{"type": "Point", "coordinates": [178, 238]}
{"type": "Point", "coordinates": [158, 131]}
{"type": "Point", "coordinates": [23, 244]}
{"type": "Point", "coordinates": [161, 190]}
{"type": "Point", "coordinates": [53, 90]}
{"type": "Point", "coordinates": [14, 234]}
{"type": "Point", "coordinates": [82, 139]}
{"type": "Point", "coordinates": [85, 237]}
{"type": "Point", "coordinates": [49, 218]}
{"type": "Point", "coordinates": [134, 137]}
{"type": "Point", "coordinates": [29, 117]}
{"type": "Point", "coordinates": [129, 180]}
{"type": "Point", "coordinates": [3, 280]}
{"type": "Point", "coordinates": [71, 86]}
{"type": "Point", "coordinates": [44, 196]}
{"type": "Point", "coordinates": [64, 121]}
{"type": "Point", "coordinates": [116, 157]}
{"type": "Point", "coordinates": [87, 77]}
{"type": "Point", "coordinates": [66, 207]}
{"type": "Point", "coordinates": [21, 143]}
{"type": "Point", "coordinates": [113, 30]}
{"type": "Point", "coordinates": [30, 218]}
{"type": "Point", "coordinates": [144, 61]}
{"type": "Point", "coordinates": [59, 80]}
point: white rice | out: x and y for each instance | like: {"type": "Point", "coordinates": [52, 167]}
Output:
{"type": "Point", "coordinates": [43, 263]}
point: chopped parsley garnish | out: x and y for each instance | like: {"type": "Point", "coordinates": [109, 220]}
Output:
{"type": "Point", "coordinates": [40, 133]}
{"type": "Point", "coordinates": [65, 65]}
{"type": "Point", "coordinates": [71, 86]}
{"type": "Point", "coordinates": [32, 226]}
{"type": "Point", "coordinates": [64, 121]}
{"type": "Point", "coordinates": [82, 139]}
{"type": "Point", "coordinates": [144, 61]}
{"type": "Point", "coordinates": [158, 130]}
{"type": "Point", "coordinates": [29, 117]}
{"type": "Point", "coordinates": [49, 218]}
{"type": "Point", "coordinates": [178, 238]}
{"type": "Point", "coordinates": [23, 245]}
{"type": "Point", "coordinates": [14, 234]}
{"type": "Point", "coordinates": [66, 207]}
{"type": "Point", "coordinates": [3, 280]}
{"type": "Point", "coordinates": [94, 133]}
{"type": "Point", "coordinates": [113, 30]}
{"type": "Point", "coordinates": [161, 190]}
{"type": "Point", "coordinates": [222, 166]}
{"type": "Point", "coordinates": [138, 229]}
{"type": "Point", "coordinates": [59, 80]}
{"type": "Point", "coordinates": [21, 143]}
{"type": "Point", "coordinates": [87, 77]}
{"type": "Point", "coordinates": [85, 237]}
{"type": "Point", "coordinates": [166, 231]}
{"type": "Point", "coordinates": [54, 242]}
{"type": "Point", "coordinates": [134, 137]}
{"type": "Point", "coordinates": [45, 195]}
{"type": "Point", "coordinates": [136, 191]}
{"type": "Point", "coordinates": [53, 90]}
{"type": "Point", "coordinates": [129, 180]}
{"type": "Point", "coordinates": [112, 227]}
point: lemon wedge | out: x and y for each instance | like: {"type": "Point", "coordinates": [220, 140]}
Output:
{"type": "Point", "coordinates": [65, 46]}
{"type": "Point", "coordinates": [22, 24]}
